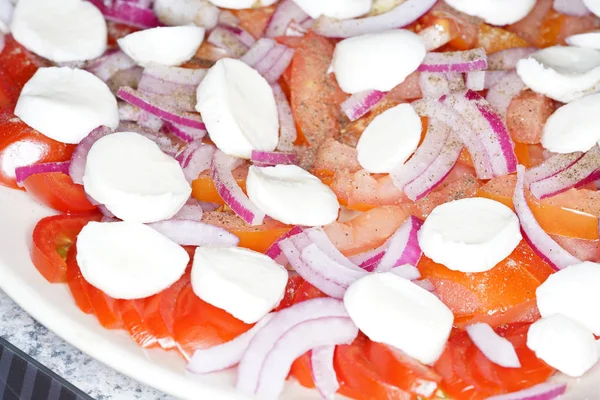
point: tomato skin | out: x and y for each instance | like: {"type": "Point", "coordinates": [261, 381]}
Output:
{"type": "Point", "coordinates": [22, 145]}
{"type": "Point", "coordinates": [132, 315]}
{"type": "Point", "coordinates": [19, 63]}
{"type": "Point", "coordinates": [255, 20]}
{"type": "Point", "coordinates": [306, 291]}
{"type": "Point", "coordinates": [294, 284]}
{"type": "Point", "coordinates": [54, 234]}
{"type": "Point", "coordinates": [57, 190]}
{"type": "Point", "coordinates": [77, 284]}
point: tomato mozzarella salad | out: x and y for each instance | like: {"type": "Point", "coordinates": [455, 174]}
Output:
{"type": "Point", "coordinates": [385, 199]}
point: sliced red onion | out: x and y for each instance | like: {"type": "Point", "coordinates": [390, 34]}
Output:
{"type": "Point", "coordinates": [243, 36]}
{"type": "Point", "coordinates": [286, 12]}
{"type": "Point", "coordinates": [195, 233]}
{"type": "Point", "coordinates": [269, 58]}
{"type": "Point", "coordinates": [461, 128]}
{"type": "Point", "coordinates": [317, 260]}
{"type": "Point", "coordinates": [361, 103]}
{"type": "Point", "coordinates": [370, 259]}
{"type": "Point", "coordinates": [226, 17]}
{"type": "Point", "coordinates": [493, 77]}
{"type": "Point", "coordinates": [434, 84]}
{"type": "Point", "coordinates": [404, 14]}
{"type": "Point", "coordinates": [571, 7]}
{"type": "Point", "coordinates": [183, 156]}
{"type": "Point", "coordinates": [551, 166]}
{"type": "Point", "coordinates": [277, 69]}
{"type": "Point", "coordinates": [259, 51]}
{"type": "Point", "coordinates": [164, 142]}
{"type": "Point", "coordinates": [274, 251]}
{"type": "Point", "coordinates": [320, 238]}
{"type": "Point", "coordinates": [192, 210]}
{"type": "Point", "coordinates": [434, 38]}
{"type": "Point", "coordinates": [109, 64]}
{"type": "Point", "coordinates": [585, 170]}
{"type": "Point", "coordinates": [22, 173]}
{"type": "Point", "coordinates": [505, 60]}
{"type": "Point", "coordinates": [226, 39]}
{"type": "Point", "coordinates": [199, 161]}
{"type": "Point", "coordinates": [543, 391]}
{"type": "Point", "coordinates": [230, 192]}
{"type": "Point", "coordinates": [476, 80]}
{"type": "Point", "coordinates": [79, 157]}
{"type": "Point", "coordinates": [425, 284]}
{"type": "Point", "coordinates": [177, 86]}
{"type": "Point", "coordinates": [404, 246]}
{"type": "Point", "coordinates": [307, 335]}
{"type": "Point", "coordinates": [287, 124]}
{"type": "Point", "coordinates": [177, 75]}
{"type": "Point", "coordinates": [273, 158]}
{"type": "Point", "coordinates": [292, 248]}
{"type": "Point", "coordinates": [500, 95]}
{"type": "Point", "coordinates": [455, 61]}
{"type": "Point", "coordinates": [406, 271]}
{"type": "Point", "coordinates": [185, 133]}
{"type": "Point", "coordinates": [225, 355]}
{"type": "Point", "coordinates": [491, 130]}
{"type": "Point", "coordinates": [437, 171]}
{"type": "Point", "coordinates": [251, 365]}
{"type": "Point", "coordinates": [323, 373]}
{"type": "Point", "coordinates": [295, 29]}
{"type": "Point", "coordinates": [153, 105]}
{"type": "Point", "coordinates": [128, 77]}
{"type": "Point", "coordinates": [128, 12]}
{"type": "Point", "coordinates": [150, 121]}
{"type": "Point", "coordinates": [539, 240]}
{"type": "Point", "coordinates": [426, 153]}
{"type": "Point", "coordinates": [496, 348]}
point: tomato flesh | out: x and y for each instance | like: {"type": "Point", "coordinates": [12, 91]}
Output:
{"type": "Point", "coordinates": [57, 190]}
{"type": "Point", "coordinates": [132, 315]}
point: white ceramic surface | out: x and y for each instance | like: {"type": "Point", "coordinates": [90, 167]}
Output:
{"type": "Point", "coordinates": [53, 306]}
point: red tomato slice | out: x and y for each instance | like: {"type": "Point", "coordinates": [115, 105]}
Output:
{"type": "Point", "coordinates": [306, 291]}
{"type": "Point", "coordinates": [294, 283]}
{"type": "Point", "coordinates": [57, 190]}
{"type": "Point", "coordinates": [22, 145]}
{"type": "Point", "coordinates": [132, 315]}
{"type": "Point", "coordinates": [502, 295]}
{"type": "Point", "coordinates": [168, 301]}
{"type": "Point", "coordinates": [201, 325]}
{"type": "Point", "coordinates": [52, 238]}
{"type": "Point", "coordinates": [153, 319]}
{"type": "Point", "coordinates": [255, 20]}
{"type": "Point", "coordinates": [19, 63]}
{"type": "Point", "coordinates": [77, 284]}
{"type": "Point", "coordinates": [106, 308]}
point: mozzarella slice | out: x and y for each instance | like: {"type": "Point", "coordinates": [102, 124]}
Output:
{"type": "Point", "coordinates": [574, 126]}
{"type": "Point", "coordinates": [238, 107]}
{"type": "Point", "coordinates": [590, 40]}
{"type": "Point", "coordinates": [127, 260]}
{"type": "Point", "coordinates": [392, 310]}
{"type": "Point", "coordinates": [470, 235]}
{"type": "Point", "coordinates": [66, 104]}
{"type": "Point", "coordinates": [134, 179]}
{"type": "Point", "coordinates": [494, 12]}
{"type": "Point", "coordinates": [246, 284]}
{"type": "Point", "coordinates": [563, 344]}
{"type": "Point", "coordinates": [74, 31]}
{"type": "Point", "coordinates": [242, 4]}
{"type": "Point", "coordinates": [573, 292]}
{"type": "Point", "coordinates": [390, 139]}
{"type": "Point", "coordinates": [172, 45]}
{"type": "Point", "coordinates": [292, 195]}
{"type": "Point", "coordinates": [563, 73]}
{"type": "Point", "coordinates": [184, 12]}
{"type": "Point", "coordinates": [593, 6]}
{"type": "Point", "coordinates": [377, 61]}
{"type": "Point", "coordinates": [339, 9]}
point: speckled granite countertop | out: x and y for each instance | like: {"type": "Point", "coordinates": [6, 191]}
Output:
{"type": "Point", "coordinates": [94, 378]}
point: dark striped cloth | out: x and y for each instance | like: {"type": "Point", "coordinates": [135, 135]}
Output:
{"type": "Point", "coordinates": [23, 378]}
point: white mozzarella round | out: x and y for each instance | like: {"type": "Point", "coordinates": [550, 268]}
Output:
{"type": "Point", "coordinates": [377, 61]}
{"type": "Point", "coordinates": [292, 195]}
{"type": "Point", "coordinates": [134, 179]}
{"type": "Point", "coordinates": [238, 107]}
{"type": "Point", "coordinates": [66, 104]}
{"type": "Point", "coordinates": [390, 139]}
{"type": "Point", "coordinates": [593, 6]}
{"type": "Point", "coordinates": [573, 292]}
{"type": "Point", "coordinates": [494, 12]}
{"type": "Point", "coordinates": [246, 284]}
{"type": "Point", "coordinates": [590, 40]}
{"type": "Point", "coordinates": [563, 73]}
{"type": "Point", "coordinates": [339, 9]}
{"type": "Point", "coordinates": [392, 310]}
{"type": "Point", "coordinates": [470, 235]}
{"type": "Point", "coordinates": [74, 31]}
{"type": "Point", "coordinates": [170, 45]}
{"type": "Point", "coordinates": [563, 344]}
{"type": "Point", "coordinates": [128, 260]}
{"type": "Point", "coordinates": [242, 4]}
{"type": "Point", "coordinates": [574, 126]}
{"type": "Point", "coordinates": [184, 12]}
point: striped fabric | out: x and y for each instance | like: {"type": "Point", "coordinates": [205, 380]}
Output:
{"type": "Point", "coordinates": [23, 378]}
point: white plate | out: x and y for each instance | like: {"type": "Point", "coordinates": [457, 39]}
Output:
{"type": "Point", "coordinates": [53, 306]}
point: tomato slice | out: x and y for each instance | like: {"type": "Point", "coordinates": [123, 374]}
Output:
{"type": "Point", "coordinates": [201, 325]}
{"type": "Point", "coordinates": [504, 294]}
{"type": "Point", "coordinates": [57, 190]}
{"type": "Point", "coordinates": [77, 284]}
{"type": "Point", "coordinates": [494, 39]}
{"type": "Point", "coordinates": [204, 189]}
{"type": "Point", "coordinates": [22, 145]}
{"type": "Point", "coordinates": [255, 20]}
{"type": "Point", "coordinates": [132, 315]}
{"type": "Point", "coordinates": [52, 238]}
{"type": "Point", "coordinates": [258, 238]}
{"type": "Point", "coordinates": [168, 301]}
{"type": "Point", "coordinates": [154, 321]}
{"type": "Point", "coordinates": [294, 284]}
{"type": "Point", "coordinates": [19, 63]}
{"type": "Point", "coordinates": [106, 308]}
{"type": "Point", "coordinates": [573, 213]}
